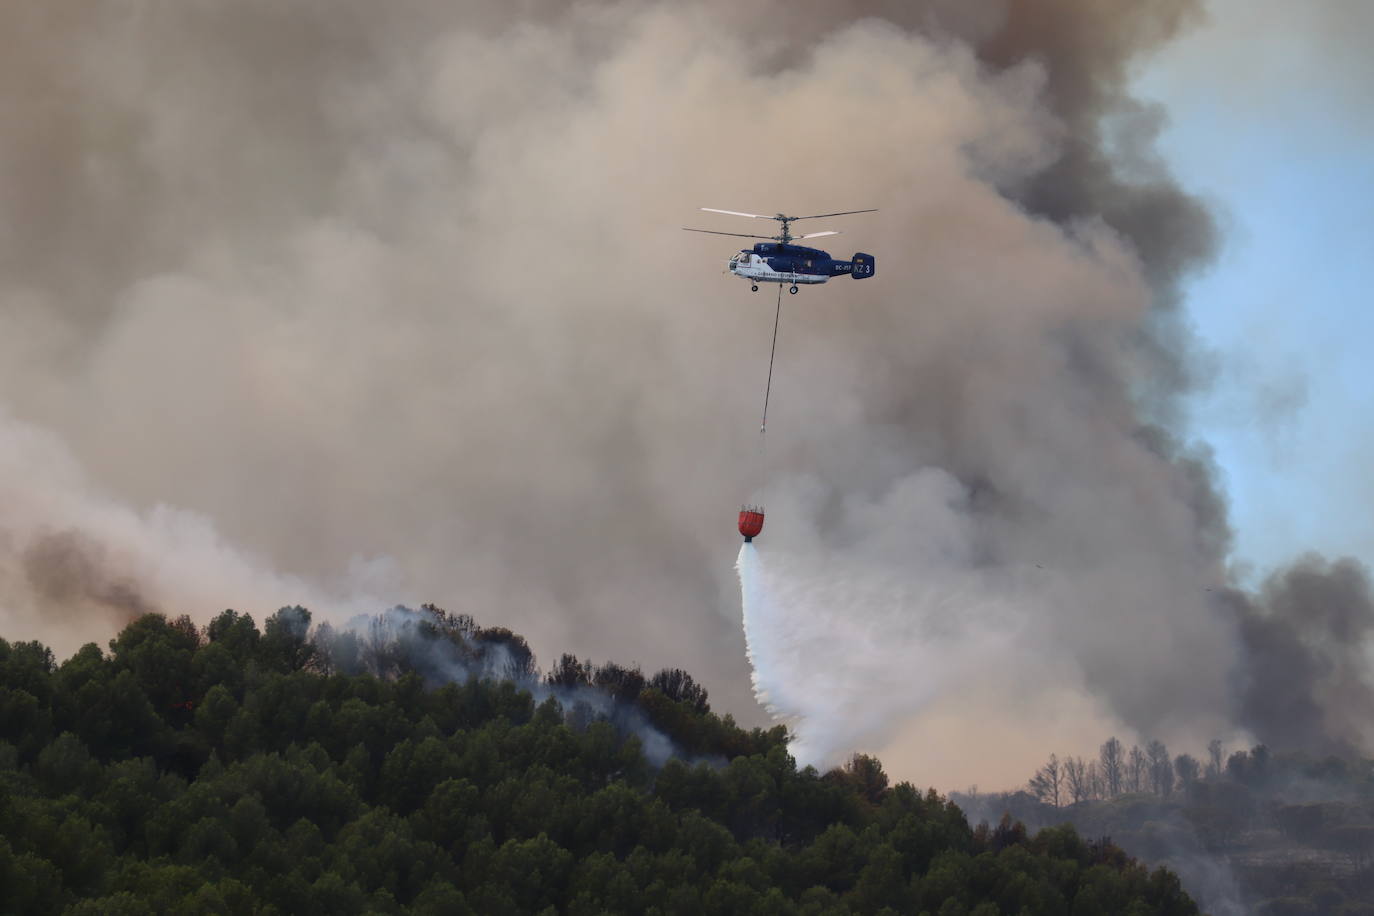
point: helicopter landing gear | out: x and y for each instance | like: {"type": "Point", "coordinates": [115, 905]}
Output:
{"type": "Point", "coordinates": [755, 287]}
{"type": "Point", "coordinates": [793, 289]}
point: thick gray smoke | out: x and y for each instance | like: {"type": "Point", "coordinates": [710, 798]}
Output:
{"type": "Point", "coordinates": [394, 298]}
{"type": "Point", "coordinates": [1305, 682]}
{"type": "Point", "coordinates": [76, 565]}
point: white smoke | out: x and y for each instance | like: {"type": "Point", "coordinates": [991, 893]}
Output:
{"type": "Point", "coordinates": [70, 553]}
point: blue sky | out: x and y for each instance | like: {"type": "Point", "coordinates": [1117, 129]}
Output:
{"type": "Point", "coordinates": [1269, 120]}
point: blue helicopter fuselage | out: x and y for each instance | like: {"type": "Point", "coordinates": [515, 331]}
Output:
{"type": "Point", "coordinates": [772, 262]}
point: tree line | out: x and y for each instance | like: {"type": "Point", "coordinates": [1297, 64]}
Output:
{"type": "Point", "coordinates": [1291, 832]}
{"type": "Point", "coordinates": [1117, 771]}
{"type": "Point", "coordinates": [422, 763]}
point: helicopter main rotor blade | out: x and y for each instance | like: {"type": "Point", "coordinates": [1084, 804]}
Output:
{"type": "Point", "coordinates": [841, 213]}
{"type": "Point", "coordinates": [814, 235]}
{"type": "Point", "coordinates": [743, 235]}
{"type": "Point", "coordinates": [737, 213]}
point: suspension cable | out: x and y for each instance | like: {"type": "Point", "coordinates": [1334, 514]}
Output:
{"type": "Point", "coordinates": [771, 353]}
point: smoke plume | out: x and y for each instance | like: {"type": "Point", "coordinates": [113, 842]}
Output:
{"type": "Point", "coordinates": [77, 565]}
{"type": "Point", "coordinates": [395, 301]}
{"type": "Point", "coordinates": [1305, 682]}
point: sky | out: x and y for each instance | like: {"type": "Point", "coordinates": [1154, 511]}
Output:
{"type": "Point", "coordinates": [1269, 118]}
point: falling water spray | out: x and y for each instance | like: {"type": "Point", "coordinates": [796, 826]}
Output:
{"type": "Point", "coordinates": [808, 669]}
{"type": "Point", "coordinates": [756, 610]}
{"type": "Point", "coordinates": [843, 648]}
{"type": "Point", "coordinates": [768, 643]}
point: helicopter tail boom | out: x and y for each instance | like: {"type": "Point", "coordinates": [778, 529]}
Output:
{"type": "Point", "coordinates": [862, 266]}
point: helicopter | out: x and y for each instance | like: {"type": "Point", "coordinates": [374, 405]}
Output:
{"type": "Point", "coordinates": [779, 261]}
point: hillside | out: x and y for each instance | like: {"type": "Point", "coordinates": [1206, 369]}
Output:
{"type": "Point", "coordinates": [1250, 832]}
{"type": "Point", "coordinates": [421, 765]}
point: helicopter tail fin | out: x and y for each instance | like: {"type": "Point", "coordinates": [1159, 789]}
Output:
{"type": "Point", "coordinates": [862, 266]}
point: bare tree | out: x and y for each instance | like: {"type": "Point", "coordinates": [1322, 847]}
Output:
{"type": "Point", "coordinates": [1097, 786]}
{"type": "Point", "coordinates": [1134, 780]}
{"type": "Point", "coordinates": [1188, 770]}
{"type": "Point", "coordinates": [1111, 758]}
{"type": "Point", "coordinates": [1216, 753]}
{"type": "Point", "coordinates": [1161, 768]}
{"type": "Point", "coordinates": [1046, 782]}
{"type": "Point", "coordinates": [1076, 780]}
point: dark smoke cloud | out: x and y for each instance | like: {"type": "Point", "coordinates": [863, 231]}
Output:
{"type": "Point", "coordinates": [395, 300]}
{"type": "Point", "coordinates": [1106, 167]}
{"type": "Point", "coordinates": [1305, 684]}
{"type": "Point", "coordinates": [71, 574]}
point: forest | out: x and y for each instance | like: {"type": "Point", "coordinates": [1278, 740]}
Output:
{"type": "Point", "coordinates": [421, 763]}
{"type": "Point", "coordinates": [1249, 831]}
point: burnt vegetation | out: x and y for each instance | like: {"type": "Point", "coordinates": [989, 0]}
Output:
{"type": "Point", "coordinates": [421, 764]}
{"type": "Point", "coordinates": [1289, 832]}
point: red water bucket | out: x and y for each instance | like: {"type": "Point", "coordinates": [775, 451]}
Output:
{"type": "Point", "coordinates": [750, 521]}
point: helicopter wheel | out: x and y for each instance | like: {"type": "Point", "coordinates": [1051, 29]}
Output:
{"type": "Point", "coordinates": [755, 287]}
{"type": "Point", "coordinates": [793, 290]}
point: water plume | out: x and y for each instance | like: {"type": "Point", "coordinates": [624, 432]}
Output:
{"type": "Point", "coordinates": [845, 649]}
